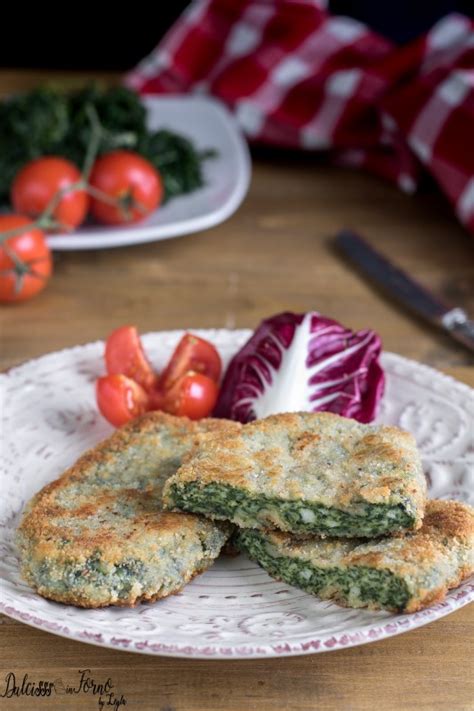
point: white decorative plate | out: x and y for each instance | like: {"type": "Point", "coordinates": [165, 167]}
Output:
{"type": "Point", "coordinates": [227, 176]}
{"type": "Point", "coordinates": [234, 609]}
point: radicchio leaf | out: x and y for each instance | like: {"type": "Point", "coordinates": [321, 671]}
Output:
{"type": "Point", "coordinates": [297, 362]}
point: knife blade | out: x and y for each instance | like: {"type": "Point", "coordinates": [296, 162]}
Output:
{"type": "Point", "coordinates": [406, 290]}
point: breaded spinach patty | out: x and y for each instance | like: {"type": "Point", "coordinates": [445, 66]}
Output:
{"type": "Point", "coordinates": [305, 473]}
{"type": "Point", "coordinates": [98, 535]}
{"type": "Point", "coordinates": [404, 573]}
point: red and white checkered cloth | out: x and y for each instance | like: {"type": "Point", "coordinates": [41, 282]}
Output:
{"type": "Point", "coordinates": [298, 77]}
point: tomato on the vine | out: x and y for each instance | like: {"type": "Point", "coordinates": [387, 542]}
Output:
{"type": "Point", "coordinates": [120, 399]}
{"type": "Point", "coordinates": [25, 260]}
{"type": "Point", "coordinates": [125, 188]}
{"type": "Point", "coordinates": [40, 180]}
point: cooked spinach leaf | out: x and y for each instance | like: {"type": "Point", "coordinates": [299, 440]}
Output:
{"type": "Point", "coordinates": [46, 121]}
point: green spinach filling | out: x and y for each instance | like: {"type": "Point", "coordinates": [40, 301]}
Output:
{"type": "Point", "coordinates": [358, 586]}
{"type": "Point", "coordinates": [257, 511]}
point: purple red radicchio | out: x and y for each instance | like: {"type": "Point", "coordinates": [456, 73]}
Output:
{"type": "Point", "coordinates": [297, 362]}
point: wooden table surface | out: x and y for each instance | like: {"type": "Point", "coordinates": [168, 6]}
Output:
{"type": "Point", "coordinates": [274, 254]}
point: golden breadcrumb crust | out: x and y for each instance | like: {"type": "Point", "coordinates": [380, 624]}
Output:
{"type": "Point", "coordinates": [102, 505]}
{"type": "Point", "coordinates": [131, 601]}
{"type": "Point", "coordinates": [319, 457]}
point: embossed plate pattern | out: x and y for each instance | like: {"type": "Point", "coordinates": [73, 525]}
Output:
{"type": "Point", "coordinates": [234, 609]}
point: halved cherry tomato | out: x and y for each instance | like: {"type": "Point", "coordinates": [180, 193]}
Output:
{"type": "Point", "coordinates": [25, 260]}
{"type": "Point", "coordinates": [120, 399]}
{"type": "Point", "coordinates": [191, 354]}
{"type": "Point", "coordinates": [39, 180]}
{"type": "Point", "coordinates": [130, 180]}
{"type": "Point", "coordinates": [194, 396]}
{"type": "Point", "coordinates": [124, 354]}
{"type": "Point", "coordinates": [188, 387]}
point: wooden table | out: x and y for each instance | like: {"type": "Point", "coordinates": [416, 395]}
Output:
{"type": "Point", "coordinates": [274, 254]}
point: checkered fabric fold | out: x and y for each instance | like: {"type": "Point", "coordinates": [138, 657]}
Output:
{"type": "Point", "coordinates": [298, 77]}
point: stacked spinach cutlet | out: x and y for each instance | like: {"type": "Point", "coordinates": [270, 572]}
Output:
{"type": "Point", "coordinates": [98, 535]}
{"type": "Point", "coordinates": [305, 473]}
{"type": "Point", "coordinates": [324, 503]}
{"type": "Point", "coordinates": [332, 506]}
{"type": "Point", "coordinates": [399, 573]}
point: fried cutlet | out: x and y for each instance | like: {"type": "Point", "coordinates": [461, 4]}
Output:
{"type": "Point", "coordinates": [305, 473]}
{"type": "Point", "coordinates": [98, 535]}
{"type": "Point", "coordinates": [399, 573]}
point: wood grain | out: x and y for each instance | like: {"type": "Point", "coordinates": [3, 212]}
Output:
{"type": "Point", "coordinates": [429, 669]}
{"type": "Point", "coordinates": [275, 253]}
